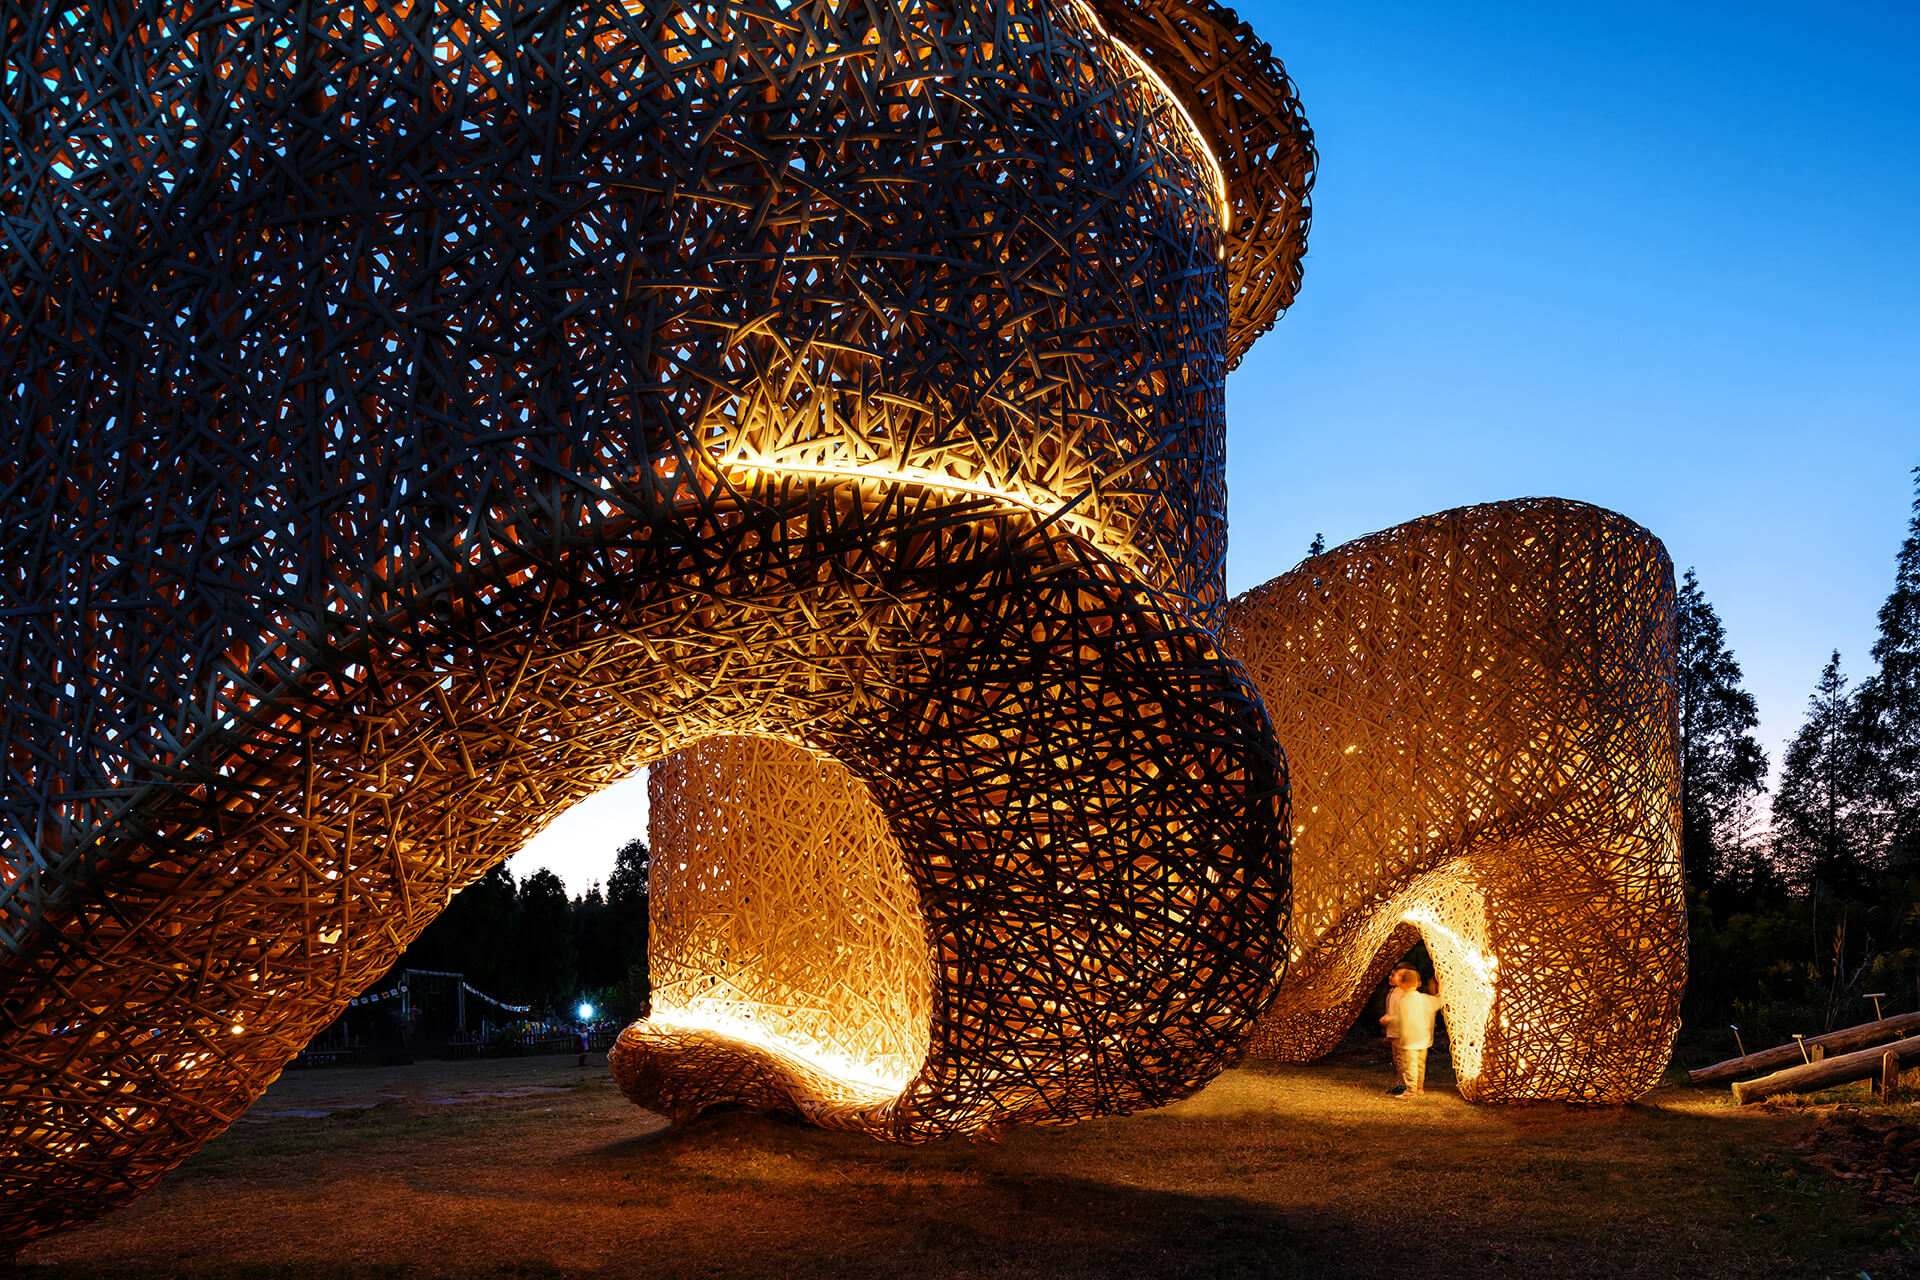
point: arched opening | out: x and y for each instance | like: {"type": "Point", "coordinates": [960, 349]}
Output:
{"type": "Point", "coordinates": [784, 917]}
{"type": "Point", "coordinates": [1478, 713]}
{"type": "Point", "coordinates": [581, 844]}
{"type": "Point", "coordinates": [473, 571]}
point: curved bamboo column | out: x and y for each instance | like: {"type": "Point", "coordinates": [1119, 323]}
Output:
{"type": "Point", "coordinates": [786, 929]}
{"type": "Point", "coordinates": [501, 398]}
{"type": "Point", "coordinates": [1479, 720]}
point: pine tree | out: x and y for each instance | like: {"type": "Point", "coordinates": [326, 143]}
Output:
{"type": "Point", "coordinates": [597, 941]}
{"type": "Point", "coordinates": [1319, 544]}
{"type": "Point", "coordinates": [1822, 825]}
{"type": "Point", "coordinates": [548, 968]}
{"type": "Point", "coordinates": [630, 906]}
{"type": "Point", "coordinates": [477, 935]}
{"type": "Point", "coordinates": [1890, 702]}
{"type": "Point", "coordinates": [627, 886]}
{"type": "Point", "coordinates": [1747, 871]}
{"type": "Point", "coordinates": [1720, 761]}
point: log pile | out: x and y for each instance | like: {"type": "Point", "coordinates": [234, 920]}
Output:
{"type": "Point", "coordinates": [1829, 1072]}
{"type": "Point", "coordinates": [1845, 1040]}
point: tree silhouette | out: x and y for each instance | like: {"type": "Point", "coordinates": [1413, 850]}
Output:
{"type": "Point", "coordinates": [1721, 764]}
{"type": "Point", "coordinates": [549, 970]}
{"type": "Point", "coordinates": [1890, 702]}
{"type": "Point", "coordinates": [477, 935]}
{"type": "Point", "coordinates": [1823, 828]}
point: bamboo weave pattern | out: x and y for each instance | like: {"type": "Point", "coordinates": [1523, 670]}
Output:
{"type": "Point", "coordinates": [420, 416]}
{"type": "Point", "coordinates": [1477, 709]}
{"type": "Point", "coordinates": [783, 910]}
{"type": "Point", "coordinates": [1480, 727]}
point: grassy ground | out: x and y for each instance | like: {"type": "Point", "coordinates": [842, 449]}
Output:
{"type": "Point", "coordinates": [533, 1167]}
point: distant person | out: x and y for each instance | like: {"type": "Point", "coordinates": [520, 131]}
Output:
{"type": "Point", "coordinates": [1409, 1024]}
{"type": "Point", "coordinates": [581, 1044]}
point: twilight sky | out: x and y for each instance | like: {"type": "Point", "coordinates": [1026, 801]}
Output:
{"type": "Point", "coordinates": [1663, 258]}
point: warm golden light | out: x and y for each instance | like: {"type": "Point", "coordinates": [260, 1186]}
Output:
{"type": "Point", "coordinates": [865, 1081]}
{"type": "Point", "coordinates": [1040, 502]}
{"type": "Point", "coordinates": [783, 915]}
{"type": "Point", "coordinates": [1194, 136]}
{"type": "Point", "coordinates": [1478, 715]}
{"type": "Point", "coordinates": [863, 388]}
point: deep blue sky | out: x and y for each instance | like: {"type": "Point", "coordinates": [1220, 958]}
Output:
{"type": "Point", "coordinates": [1661, 258]}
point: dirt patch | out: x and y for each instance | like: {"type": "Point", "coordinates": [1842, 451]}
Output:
{"type": "Point", "coordinates": [1878, 1152]}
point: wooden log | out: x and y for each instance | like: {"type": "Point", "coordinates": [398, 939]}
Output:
{"type": "Point", "coordinates": [1847, 1067]}
{"type": "Point", "coordinates": [1842, 1041]}
{"type": "Point", "coordinates": [1889, 1075]}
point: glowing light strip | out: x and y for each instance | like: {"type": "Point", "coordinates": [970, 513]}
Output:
{"type": "Point", "coordinates": [1093, 530]}
{"type": "Point", "coordinates": [866, 1078]}
{"type": "Point", "coordinates": [1481, 963]}
{"type": "Point", "coordinates": [1199, 138]}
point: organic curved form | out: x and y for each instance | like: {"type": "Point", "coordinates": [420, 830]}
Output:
{"type": "Point", "coordinates": [1095, 944]}
{"type": "Point", "coordinates": [1480, 726]}
{"type": "Point", "coordinates": [786, 927]}
{"type": "Point", "coordinates": [420, 416]}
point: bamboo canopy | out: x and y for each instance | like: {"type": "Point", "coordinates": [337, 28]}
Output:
{"type": "Point", "coordinates": [1479, 718]}
{"type": "Point", "coordinates": [1479, 722]}
{"type": "Point", "coordinates": [422, 415]}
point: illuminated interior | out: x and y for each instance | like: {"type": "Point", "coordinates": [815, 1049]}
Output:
{"type": "Point", "coordinates": [1479, 722]}
{"type": "Point", "coordinates": [863, 391]}
{"type": "Point", "coordinates": [784, 917]}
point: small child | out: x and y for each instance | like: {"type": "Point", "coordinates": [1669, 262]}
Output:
{"type": "Point", "coordinates": [1409, 1024]}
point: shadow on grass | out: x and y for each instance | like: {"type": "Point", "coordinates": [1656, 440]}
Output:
{"type": "Point", "coordinates": [1303, 1173]}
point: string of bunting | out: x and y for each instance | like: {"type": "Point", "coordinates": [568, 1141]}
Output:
{"type": "Point", "coordinates": [394, 993]}
{"type": "Point", "coordinates": [358, 1001]}
{"type": "Point", "coordinates": [498, 1004]}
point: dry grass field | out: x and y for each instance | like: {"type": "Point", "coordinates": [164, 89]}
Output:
{"type": "Point", "coordinates": [534, 1167]}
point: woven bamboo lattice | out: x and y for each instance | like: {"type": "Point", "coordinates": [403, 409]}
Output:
{"type": "Point", "coordinates": [1479, 720]}
{"type": "Point", "coordinates": [784, 918]}
{"type": "Point", "coordinates": [419, 416]}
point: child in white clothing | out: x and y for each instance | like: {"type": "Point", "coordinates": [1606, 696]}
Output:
{"type": "Point", "coordinates": [1409, 1024]}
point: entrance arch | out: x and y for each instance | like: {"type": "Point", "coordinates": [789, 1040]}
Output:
{"type": "Point", "coordinates": [1479, 716]}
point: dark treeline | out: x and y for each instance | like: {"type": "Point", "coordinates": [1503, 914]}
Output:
{"type": "Point", "coordinates": [529, 943]}
{"type": "Point", "coordinates": [1803, 906]}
